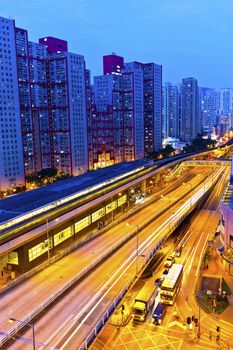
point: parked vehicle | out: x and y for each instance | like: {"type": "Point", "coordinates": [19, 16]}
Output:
{"type": "Point", "coordinates": [169, 262]}
{"type": "Point", "coordinates": [159, 313]}
{"type": "Point", "coordinates": [144, 303]}
{"type": "Point", "coordinates": [159, 281]}
{"type": "Point", "coordinates": [178, 251]}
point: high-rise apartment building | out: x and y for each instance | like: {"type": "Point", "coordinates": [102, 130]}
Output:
{"type": "Point", "coordinates": [113, 64]}
{"type": "Point", "coordinates": [107, 121]}
{"type": "Point", "coordinates": [130, 96]}
{"type": "Point", "coordinates": [11, 151]}
{"type": "Point", "coordinates": [119, 101]}
{"type": "Point", "coordinates": [33, 97]}
{"type": "Point", "coordinates": [48, 115]}
{"type": "Point", "coordinates": [152, 107]}
{"type": "Point", "coordinates": [208, 118]}
{"type": "Point", "coordinates": [133, 111]}
{"type": "Point", "coordinates": [190, 110]}
{"type": "Point", "coordinates": [171, 110]}
{"type": "Point", "coordinates": [226, 101]}
{"type": "Point", "coordinates": [51, 115]}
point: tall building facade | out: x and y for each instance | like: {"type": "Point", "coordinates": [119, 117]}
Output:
{"type": "Point", "coordinates": [226, 101]}
{"type": "Point", "coordinates": [112, 64]}
{"type": "Point", "coordinates": [11, 150]}
{"type": "Point", "coordinates": [133, 111]}
{"type": "Point", "coordinates": [108, 110]}
{"type": "Point", "coordinates": [130, 96]}
{"type": "Point", "coordinates": [33, 96]}
{"type": "Point", "coordinates": [118, 101]}
{"type": "Point", "coordinates": [45, 106]}
{"type": "Point", "coordinates": [190, 110]}
{"type": "Point", "coordinates": [208, 118]}
{"type": "Point", "coordinates": [152, 107]}
{"type": "Point", "coordinates": [171, 110]}
{"type": "Point", "coordinates": [51, 115]}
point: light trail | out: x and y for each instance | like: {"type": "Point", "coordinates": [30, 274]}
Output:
{"type": "Point", "coordinates": [191, 262]}
{"type": "Point", "coordinates": [183, 261]}
{"type": "Point", "coordinates": [64, 324]}
{"type": "Point", "coordinates": [189, 257]}
{"type": "Point", "coordinates": [201, 255]}
{"type": "Point", "coordinates": [141, 248]}
{"type": "Point", "coordinates": [165, 225]}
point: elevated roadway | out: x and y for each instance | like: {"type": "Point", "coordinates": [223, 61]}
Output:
{"type": "Point", "coordinates": [148, 240]}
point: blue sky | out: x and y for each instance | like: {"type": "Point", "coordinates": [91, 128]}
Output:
{"type": "Point", "coordinates": [188, 37]}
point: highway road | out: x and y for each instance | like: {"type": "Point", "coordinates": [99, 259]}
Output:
{"type": "Point", "coordinates": [64, 316]}
{"type": "Point", "coordinates": [172, 334]}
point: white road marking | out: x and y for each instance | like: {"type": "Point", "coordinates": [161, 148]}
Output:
{"type": "Point", "coordinates": [201, 255]}
{"type": "Point", "coordinates": [190, 266]}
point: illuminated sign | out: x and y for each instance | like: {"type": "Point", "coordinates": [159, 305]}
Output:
{"type": "Point", "coordinates": [13, 258]}
{"type": "Point", "coordinates": [122, 200]}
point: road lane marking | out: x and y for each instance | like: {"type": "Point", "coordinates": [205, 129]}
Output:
{"type": "Point", "coordinates": [189, 257]}
{"type": "Point", "coordinates": [177, 323]}
{"type": "Point", "coordinates": [194, 253]}
{"type": "Point", "coordinates": [66, 321]}
{"type": "Point", "coordinates": [189, 308]}
{"type": "Point", "coordinates": [189, 248]}
{"type": "Point", "coordinates": [150, 238]}
{"type": "Point", "coordinates": [200, 259]}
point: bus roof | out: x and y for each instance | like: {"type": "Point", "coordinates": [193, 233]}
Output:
{"type": "Point", "coordinates": [172, 276]}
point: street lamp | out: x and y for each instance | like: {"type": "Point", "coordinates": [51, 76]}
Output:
{"type": "Point", "coordinates": [12, 319]}
{"type": "Point", "coordinates": [137, 230]}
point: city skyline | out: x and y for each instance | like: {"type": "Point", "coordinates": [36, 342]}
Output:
{"type": "Point", "coordinates": [57, 119]}
{"type": "Point", "coordinates": [116, 175]}
{"type": "Point", "coordinates": [197, 46]}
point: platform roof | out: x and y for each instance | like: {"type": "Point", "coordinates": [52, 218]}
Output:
{"type": "Point", "coordinates": [21, 203]}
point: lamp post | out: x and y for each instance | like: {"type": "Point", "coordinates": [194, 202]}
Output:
{"type": "Point", "coordinates": [12, 319]}
{"type": "Point", "coordinates": [136, 226]}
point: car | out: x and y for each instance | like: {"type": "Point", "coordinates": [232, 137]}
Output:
{"type": "Point", "coordinates": [159, 281]}
{"type": "Point", "coordinates": [169, 262]}
{"type": "Point", "coordinates": [178, 251]}
{"type": "Point", "coordinates": [159, 313]}
{"type": "Point", "coordinates": [165, 272]}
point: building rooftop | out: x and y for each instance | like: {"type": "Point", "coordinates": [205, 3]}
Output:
{"type": "Point", "coordinates": [24, 202]}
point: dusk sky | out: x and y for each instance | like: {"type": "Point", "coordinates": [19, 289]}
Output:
{"type": "Point", "coordinates": [188, 37]}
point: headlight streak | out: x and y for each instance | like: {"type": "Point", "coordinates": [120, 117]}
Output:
{"type": "Point", "coordinates": [131, 259]}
